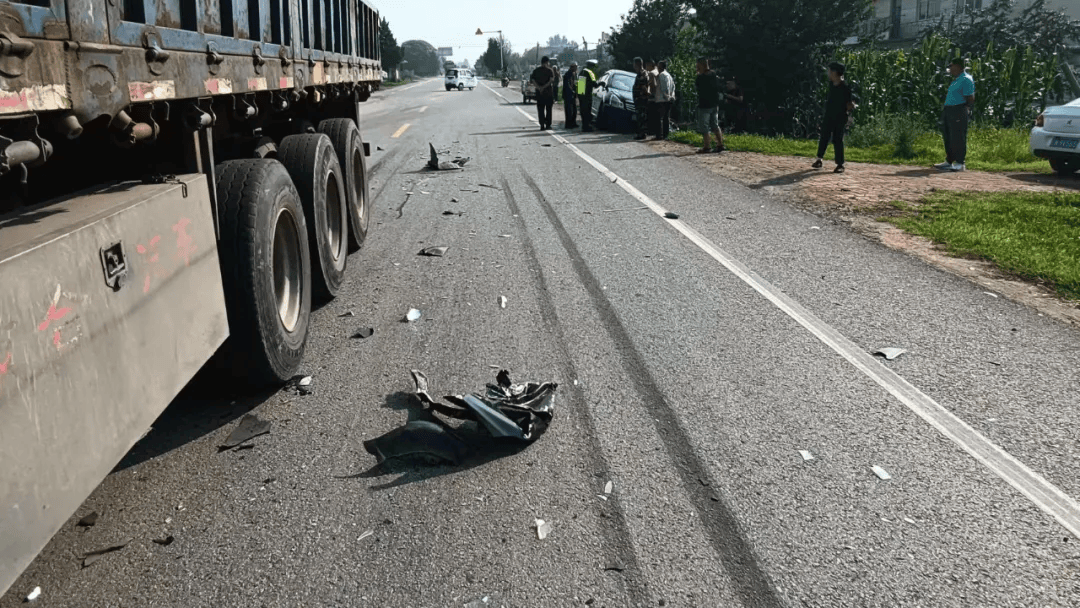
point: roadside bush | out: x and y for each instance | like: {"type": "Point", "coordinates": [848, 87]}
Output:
{"type": "Point", "coordinates": [899, 132]}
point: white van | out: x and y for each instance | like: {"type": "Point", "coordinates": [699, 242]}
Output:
{"type": "Point", "coordinates": [460, 79]}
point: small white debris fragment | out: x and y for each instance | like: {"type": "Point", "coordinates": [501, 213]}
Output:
{"type": "Point", "coordinates": [909, 520]}
{"type": "Point", "coordinates": [365, 535]}
{"type": "Point", "coordinates": [991, 294]}
{"type": "Point", "coordinates": [890, 353]}
{"type": "Point", "coordinates": [601, 497]}
{"type": "Point", "coordinates": [575, 382]}
{"type": "Point", "coordinates": [36, 593]}
{"type": "Point", "coordinates": [504, 236]}
{"type": "Point", "coordinates": [880, 472]}
{"type": "Point", "coordinates": [806, 455]}
{"type": "Point", "coordinates": [608, 487]}
{"type": "Point", "coordinates": [305, 381]}
{"type": "Point", "coordinates": [412, 315]}
{"type": "Point", "coordinates": [543, 528]}
{"type": "Point", "coordinates": [347, 313]}
{"type": "Point", "coordinates": [815, 227]}
{"type": "Point", "coordinates": [991, 419]}
{"type": "Point", "coordinates": [168, 520]}
{"type": "Point", "coordinates": [502, 301]}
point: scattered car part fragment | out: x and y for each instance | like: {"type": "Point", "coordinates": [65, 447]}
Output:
{"type": "Point", "coordinates": [418, 437]}
{"type": "Point", "coordinates": [88, 520]}
{"type": "Point", "coordinates": [33, 595]}
{"type": "Point", "coordinates": [250, 426]}
{"type": "Point", "coordinates": [890, 353]}
{"type": "Point", "coordinates": [434, 252]}
{"type": "Point", "coordinates": [543, 528]}
{"type": "Point", "coordinates": [364, 332]}
{"type": "Point", "coordinates": [412, 315]}
{"type": "Point", "coordinates": [92, 556]}
{"type": "Point", "coordinates": [881, 473]}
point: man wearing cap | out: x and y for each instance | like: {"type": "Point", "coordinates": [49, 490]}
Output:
{"type": "Point", "coordinates": [544, 79]}
{"type": "Point", "coordinates": [585, 84]}
{"type": "Point", "coordinates": [570, 96]}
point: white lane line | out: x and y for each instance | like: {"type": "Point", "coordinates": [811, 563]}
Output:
{"type": "Point", "coordinates": [398, 133]}
{"type": "Point", "coordinates": [1045, 495]}
{"type": "Point", "coordinates": [422, 110]}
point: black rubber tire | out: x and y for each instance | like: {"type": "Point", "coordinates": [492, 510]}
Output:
{"type": "Point", "coordinates": [460, 87]}
{"type": "Point", "coordinates": [1064, 168]}
{"type": "Point", "coordinates": [259, 205]}
{"type": "Point", "coordinates": [313, 164]}
{"type": "Point", "coordinates": [349, 145]}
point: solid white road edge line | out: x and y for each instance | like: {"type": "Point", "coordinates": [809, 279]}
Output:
{"type": "Point", "coordinates": [1045, 495]}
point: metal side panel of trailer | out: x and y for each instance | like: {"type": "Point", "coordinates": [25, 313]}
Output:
{"type": "Point", "coordinates": [110, 302]}
{"type": "Point", "coordinates": [95, 57]}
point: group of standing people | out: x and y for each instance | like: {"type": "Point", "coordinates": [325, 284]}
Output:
{"type": "Point", "coordinates": [654, 94]}
{"type": "Point", "coordinates": [577, 93]}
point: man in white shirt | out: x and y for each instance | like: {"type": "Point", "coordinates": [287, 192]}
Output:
{"type": "Point", "coordinates": [663, 98]}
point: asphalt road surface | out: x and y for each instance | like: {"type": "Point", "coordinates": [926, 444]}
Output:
{"type": "Point", "coordinates": [695, 359]}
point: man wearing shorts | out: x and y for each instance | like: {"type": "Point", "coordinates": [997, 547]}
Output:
{"type": "Point", "coordinates": [708, 113]}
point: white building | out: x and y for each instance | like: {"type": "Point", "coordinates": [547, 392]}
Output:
{"type": "Point", "coordinates": [903, 20]}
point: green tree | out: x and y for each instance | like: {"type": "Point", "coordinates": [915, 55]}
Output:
{"type": "Point", "coordinates": [493, 59]}
{"type": "Point", "coordinates": [777, 48]}
{"type": "Point", "coordinates": [389, 49]}
{"type": "Point", "coordinates": [421, 57]}
{"type": "Point", "coordinates": [648, 31]}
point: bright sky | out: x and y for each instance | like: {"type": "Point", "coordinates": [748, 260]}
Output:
{"type": "Point", "coordinates": [454, 23]}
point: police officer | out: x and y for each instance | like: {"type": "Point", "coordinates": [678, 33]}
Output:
{"type": "Point", "coordinates": [586, 82]}
{"type": "Point", "coordinates": [570, 95]}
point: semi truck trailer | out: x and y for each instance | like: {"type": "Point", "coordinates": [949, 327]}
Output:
{"type": "Point", "coordinates": [179, 180]}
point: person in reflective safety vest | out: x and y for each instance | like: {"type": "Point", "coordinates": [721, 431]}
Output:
{"type": "Point", "coordinates": [585, 84]}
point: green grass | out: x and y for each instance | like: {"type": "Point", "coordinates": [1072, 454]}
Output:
{"type": "Point", "coordinates": [989, 149]}
{"type": "Point", "coordinates": [1031, 234]}
{"type": "Point", "coordinates": [387, 84]}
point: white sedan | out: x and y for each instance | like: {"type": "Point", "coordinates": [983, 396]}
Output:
{"type": "Point", "coordinates": [1056, 137]}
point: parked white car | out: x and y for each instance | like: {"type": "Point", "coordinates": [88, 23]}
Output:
{"type": "Point", "coordinates": [1056, 137]}
{"type": "Point", "coordinates": [460, 79]}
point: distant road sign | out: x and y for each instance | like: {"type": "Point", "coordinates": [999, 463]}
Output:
{"type": "Point", "coordinates": [445, 51]}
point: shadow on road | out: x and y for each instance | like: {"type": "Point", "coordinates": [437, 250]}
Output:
{"type": "Point", "coordinates": [1070, 181]}
{"type": "Point", "coordinates": [645, 156]}
{"type": "Point", "coordinates": [786, 180]}
{"type": "Point", "coordinates": [213, 399]}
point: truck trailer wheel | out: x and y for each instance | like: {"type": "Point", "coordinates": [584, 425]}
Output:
{"type": "Point", "coordinates": [265, 268]}
{"type": "Point", "coordinates": [313, 165]}
{"type": "Point", "coordinates": [348, 144]}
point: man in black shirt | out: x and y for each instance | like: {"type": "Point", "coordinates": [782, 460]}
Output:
{"type": "Point", "coordinates": [736, 106]}
{"type": "Point", "coordinates": [569, 86]}
{"type": "Point", "coordinates": [838, 106]}
{"type": "Point", "coordinates": [707, 84]}
{"type": "Point", "coordinates": [544, 79]}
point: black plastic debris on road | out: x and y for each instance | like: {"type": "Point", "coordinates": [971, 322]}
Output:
{"type": "Point", "coordinates": [436, 164]}
{"type": "Point", "coordinates": [516, 412]}
{"type": "Point", "coordinates": [434, 252]}
{"type": "Point", "coordinates": [92, 556]}
{"type": "Point", "coordinates": [164, 541]}
{"type": "Point", "coordinates": [363, 332]}
{"type": "Point", "coordinates": [250, 426]}
{"type": "Point", "coordinates": [88, 520]}
{"type": "Point", "coordinates": [671, 215]}
{"type": "Point", "coordinates": [435, 442]}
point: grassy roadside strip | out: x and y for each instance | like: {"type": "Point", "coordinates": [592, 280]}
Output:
{"type": "Point", "coordinates": [1035, 235]}
{"type": "Point", "coordinates": [988, 149]}
{"type": "Point", "coordinates": [389, 84]}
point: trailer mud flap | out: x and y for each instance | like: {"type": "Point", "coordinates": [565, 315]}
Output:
{"type": "Point", "coordinates": [110, 301]}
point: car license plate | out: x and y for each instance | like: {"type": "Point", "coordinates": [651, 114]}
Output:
{"type": "Point", "coordinates": [1064, 142]}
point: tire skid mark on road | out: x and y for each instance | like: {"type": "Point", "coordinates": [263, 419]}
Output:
{"type": "Point", "coordinates": [616, 530]}
{"type": "Point", "coordinates": [1041, 492]}
{"type": "Point", "coordinates": [740, 561]}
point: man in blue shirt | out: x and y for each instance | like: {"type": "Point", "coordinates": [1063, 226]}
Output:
{"type": "Point", "coordinates": [954, 119]}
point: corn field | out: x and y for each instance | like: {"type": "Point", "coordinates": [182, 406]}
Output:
{"type": "Point", "coordinates": [1011, 85]}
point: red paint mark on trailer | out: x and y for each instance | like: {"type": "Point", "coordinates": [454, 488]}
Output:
{"type": "Point", "coordinates": [185, 245]}
{"type": "Point", "coordinates": [55, 314]}
{"type": "Point", "coordinates": [150, 253]}
{"type": "Point", "coordinates": [5, 365]}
